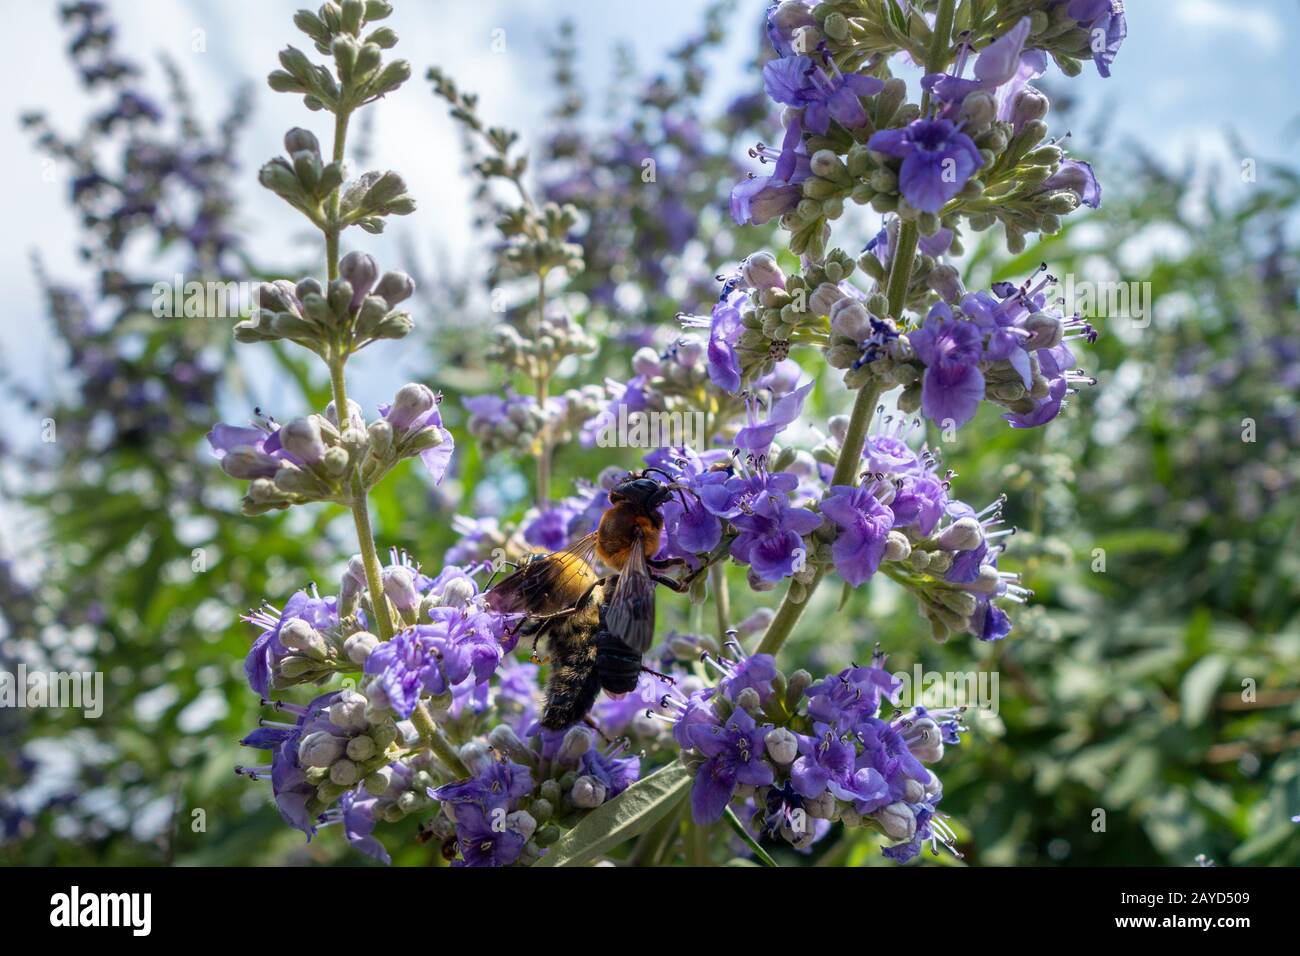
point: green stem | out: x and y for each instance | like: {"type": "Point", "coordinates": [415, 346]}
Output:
{"type": "Point", "coordinates": [900, 272]}
{"type": "Point", "coordinates": [846, 466]}
{"type": "Point", "coordinates": [437, 741]}
{"type": "Point", "coordinates": [361, 515]}
{"type": "Point", "coordinates": [338, 386]}
{"type": "Point", "coordinates": [543, 393]}
{"type": "Point", "coordinates": [721, 600]}
{"type": "Point", "coordinates": [332, 230]}
{"type": "Point", "coordinates": [940, 44]}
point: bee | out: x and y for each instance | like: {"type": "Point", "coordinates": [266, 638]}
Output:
{"type": "Point", "coordinates": [597, 628]}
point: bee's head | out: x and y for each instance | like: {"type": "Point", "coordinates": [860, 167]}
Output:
{"type": "Point", "coordinates": [643, 492]}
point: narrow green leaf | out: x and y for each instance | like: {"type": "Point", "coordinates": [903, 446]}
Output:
{"type": "Point", "coordinates": [631, 813]}
{"type": "Point", "coordinates": [1199, 686]}
{"type": "Point", "coordinates": [734, 822]}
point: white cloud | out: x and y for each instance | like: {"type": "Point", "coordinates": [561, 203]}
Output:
{"type": "Point", "coordinates": [1217, 16]}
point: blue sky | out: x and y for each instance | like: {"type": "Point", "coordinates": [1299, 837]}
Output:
{"type": "Point", "coordinates": [1190, 70]}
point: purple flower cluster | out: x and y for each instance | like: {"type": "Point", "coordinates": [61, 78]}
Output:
{"type": "Point", "coordinates": [1010, 326]}
{"type": "Point", "coordinates": [847, 764]}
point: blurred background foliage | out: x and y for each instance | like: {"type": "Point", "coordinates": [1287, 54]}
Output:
{"type": "Point", "coordinates": [1150, 687]}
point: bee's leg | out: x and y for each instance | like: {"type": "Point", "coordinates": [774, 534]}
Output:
{"type": "Point", "coordinates": [664, 677]}
{"type": "Point", "coordinates": [590, 722]}
{"type": "Point", "coordinates": [663, 564]}
{"type": "Point", "coordinates": [577, 606]}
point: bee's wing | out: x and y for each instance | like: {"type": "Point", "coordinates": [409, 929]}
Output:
{"type": "Point", "coordinates": [630, 615]}
{"type": "Point", "coordinates": [547, 585]}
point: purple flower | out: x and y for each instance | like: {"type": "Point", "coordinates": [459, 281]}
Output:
{"type": "Point", "coordinates": [823, 757]}
{"type": "Point", "coordinates": [1106, 26]}
{"type": "Point", "coordinates": [937, 158]}
{"type": "Point", "coordinates": [481, 842]}
{"type": "Point", "coordinates": [267, 651]}
{"type": "Point", "coordinates": [293, 792]}
{"type": "Point", "coordinates": [415, 410]}
{"type": "Point", "coordinates": [433, 658]}
{"type": "Point", "coordinates": [1078, 177]}
{"type": "Point", "coordinates": [799, 81]}
{"type": "Point", "coordinates": [864, 524]}
{"type": "Point", "coordinates": [724, 325]}
{"type": "Point", "coordinates": [844, 699]}
{"type": "Point", "coordinates": [770, 539]}
{"type": "Point", "coordinates": [496, 785]}
{"type": "Point", "coordinates": [951, 350]}
{"type": "Point", "coordinates": [757, 199]}
{"type": "Point", "coordinates": [734, 756]}
{"type": "Point", "coordinates": [615, 772]}
{"type": "Point", "coordinates": [757, 436]}
{"type": "Point", "coordinates": [356, 812]}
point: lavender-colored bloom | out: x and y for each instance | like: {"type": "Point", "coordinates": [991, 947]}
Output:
{"type": "Point", "coordinates": [825, 94]}
{"type": "Point", "coordinates": [1106, 25]}
{"type": "Point", "coordinates": [724, 325]}
{"type": "Point", "coordinates": [757, 199]}
{"type": "Point", "coordinates": [757, 436]}
{"type": "Point", "coordinates": [289, 784]}
{"type": "Point", "coordinates": [1078, 177]}
{"type": "Point", "coordinates": [951, 350]}
{"type": "Point", "coordinates": [436, 458]}
{"type": "Point", "coordinates": [433, 658]}
{"type": "Point", "coordinates": [356, 813]}
{"type": "Point", "coordinates": [754, 672]}
{"type": "Point", "coordinates": [267, 650]}
{"type": "Point", "coordinates": [845, 699]}
{"type": "Point", "coordinates": [497, 785]}
{"type": "Point", "coordinates": [823, 757]}
{"type": "Point", "coordinates": [734, 756]}
{"type": "Point", "coordinates": [481, 842]}
{"type": "Point", "coordinates": [998, 63]}
{"type": "Point", "coordinates": [863, 524]}
{"type": "Point", "coordinates": [937, 158]}
{"type": "Point", "coordinates": [770, 539]}
{"type": "Point", "coordinates": [615, 772]}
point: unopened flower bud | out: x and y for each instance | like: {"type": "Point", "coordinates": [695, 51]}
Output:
{"type": "Point", "coordinates": [458, 592]}
{"type": "Point", "coordinates": [361, 271]}
{"type": "Point", "coordinates": [1045, 331]}
{"type": "Point", "coordinates": [522, 822]}
{"type": "Point", "coordinates": [399, 586]}
{"type": "Point", "coordinates": [344, 772]}
{"type": "Point", "coordinates": [965, 534]}
{"type": "Point", "coordinates": [849, 318]}
{"type": "Point", "coordinates": [319, 749]}
{"type": "Point", "coordinates": [298, 635]}
{"type": "Point", "coordinates": [587, 792]}
{"type": "Point", "coordinates": [302, 438]}
{"type": "Point", "coordinates": [247, 463]}
{"type": "Point", "coordinates": [782, 746]}
{"type": "Point", "coordinates": [577, 741]}
{"type": "Point", "coordinates": [412, 402]}
{"type": "Point", "coordinates": [360, 748]}
{"type": "Point", "coordinates": [349, 712]}
{"type": "Point", "coordinates": [897, 547]}
{"type": "Point", "coordinates": [760, 271]}
{"type": "Point", "coordinates": [897, 821]}
{"type": "Point", "coordinates": [395, 287]}
{"type": "Point", "coordinates": [645, 362]}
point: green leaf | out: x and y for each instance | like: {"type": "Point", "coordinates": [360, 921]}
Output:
{"type": "Point", "coordinates": [631, 813]}
{"type": "Point", "coordinates": [734, 822]}
{"type": "Point", "coordinates": [1199, 686]}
